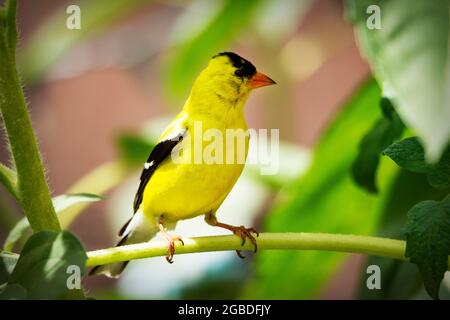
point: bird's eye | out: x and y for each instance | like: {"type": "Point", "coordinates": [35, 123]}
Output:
{"type": "Point", "coordinates": [239, 73]}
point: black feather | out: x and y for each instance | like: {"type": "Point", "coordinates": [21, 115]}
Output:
{"type": "Point", "coordinates": [124, 227]}
{"type": "Point", "coordinates": [159, 153]}
{"type": "Point", "coordinates": [245, 69]}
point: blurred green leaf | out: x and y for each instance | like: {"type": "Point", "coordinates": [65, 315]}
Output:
{"type": "Point", "coordinates": [98, 181]}
{"type": "Point", "coordinates": [43, 264]}
{"type": "Point", "coordinates": [53, 39]}
{"type": "Point", "coordinates": [428, 241]}
{"type": "Point", "coordinates": [409, 154]}
{"type": "Point", "coordinates": [134, 149]}
{"type": "Point", "coordinates": [7, 263]}
{"type": "Point", "coordinates": [61, 203]}
{"type": "Point", "coordinates": [20, 230]}
{"type": "Point", "coordinates": [324, 200]}
{"type": "Point", "coordinates": [8, 178]}
{"type": "Point", "coordinates": [64, 201]}
{"type": "Point", "coordinates": [409, 55]}
{"type": "Point", "coordinates": [380, 136]}
{"type": "Point", "coordinates": [212, 37]}
{"type": "Point", "coordinates": [444, 292]}
{"type": "Point", "coordinates": [12, 292]}
{"type": "Point", "coordinates": [222, 282]}
{"type": "Point", "coordinates": [400, 280]}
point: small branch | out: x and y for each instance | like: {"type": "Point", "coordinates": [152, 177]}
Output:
{"type": "Point", "coordinates": [8, 218]}
{"type": "Point", "coordinates": [34, 193]}
{"type": "Point", "coordinates": [382, 247]}
{"type": "Point", "coordinates": [8, 178]}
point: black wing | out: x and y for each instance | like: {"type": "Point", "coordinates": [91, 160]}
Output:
{"type": "Point", "coordinates": [159, 153]}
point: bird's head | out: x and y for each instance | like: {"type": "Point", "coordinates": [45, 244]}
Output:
{"type": "Point", "coordinates": [233, 68]}
{"type": "Point", "coordinates": [230, 78]}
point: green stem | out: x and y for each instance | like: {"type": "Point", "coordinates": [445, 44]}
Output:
{"type": "Point", "coordinates": [382, 247]}
{"type": "Point", "coordinates": [8, 218]}
{"type": "Point", "coordinates": [33, 190]}
{"type": "Point", "coordinates": [8, 178]}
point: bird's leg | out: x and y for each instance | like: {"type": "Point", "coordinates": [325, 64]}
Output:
{"type": "Point", "coordinates": [170, 240]}
{"type": "Point", "coordinates": [241, 231]}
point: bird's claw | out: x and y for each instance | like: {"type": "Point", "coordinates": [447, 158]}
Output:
{"type": "Point", "coordinates": [244, 233]}
{"type": "Point", "coordinates": [171, 246]}
{"type": "Point", "coordinates": [241, 231]}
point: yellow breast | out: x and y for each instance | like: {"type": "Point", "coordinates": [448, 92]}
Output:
{"type": "Point", "coordinates": [202, 170]}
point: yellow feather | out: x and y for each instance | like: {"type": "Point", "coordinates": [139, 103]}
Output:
{"type": "Point", "coordinates": [182, 191]}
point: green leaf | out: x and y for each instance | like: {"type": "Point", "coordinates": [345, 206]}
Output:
{"type": "Point", "coordinates": [20, 230]}
{"type": "Point", "coordinates": [65, 201]}
{"type": "Point", "coordinates": [409, 154]}
{"type": "Point", "coordinates": [12, 292]}
{"type": "Point", "coordinates": [44, 262]}
{"type": "Point", "coordinates": [7, 263]}
{"type": "Point", "coordinates": [99, 181]}
{"type": "Point", "coordinates": [134, 149]}
{"type": "Point", "coordinates": [8, 178]}
{"type": "Point", "coordinates": [382, 134]}
{"type": "Point", "coordinates": [410, 57]}
{"type": "Point", "coordinates": [428, 241]}
{"type": "Point", "coordinates": [223, 23]}
{"type": "Point", "coordinates": [324, 200]}
{"type": "Point", "coordinates": [61, 203]}
{"type": "Point", "coordinates": [399, 280]}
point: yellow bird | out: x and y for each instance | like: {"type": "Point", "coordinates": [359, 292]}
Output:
{"type": "Point", "coordinates": [176, 188]}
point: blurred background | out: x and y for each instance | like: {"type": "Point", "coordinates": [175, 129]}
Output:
{"type": "Point", "coordinates": [99, 96]}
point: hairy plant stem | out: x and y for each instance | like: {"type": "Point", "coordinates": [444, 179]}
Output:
{"type": "Point", "coordinates": [33, 191]}
{"type": "Point", "coordinates": [383, 247]}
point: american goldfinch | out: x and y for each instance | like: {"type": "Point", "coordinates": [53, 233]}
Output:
{"type": "Point", "coordinates": [171, 190]}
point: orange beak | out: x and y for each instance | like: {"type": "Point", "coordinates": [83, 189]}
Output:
{"type": "Point", "coordinates": [260, 80]}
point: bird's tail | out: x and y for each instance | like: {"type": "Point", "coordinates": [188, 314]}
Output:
{"type": "Point", "coordinates": [137, 229]}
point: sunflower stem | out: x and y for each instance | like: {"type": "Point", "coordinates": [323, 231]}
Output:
{"type": "Point", "coordinates": [383, 247]}
{"type": "Point", "coordinates": [32, 188]}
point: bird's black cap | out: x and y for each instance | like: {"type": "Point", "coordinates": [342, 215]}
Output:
{"type": "Point", "coordinates": [245, 69]}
